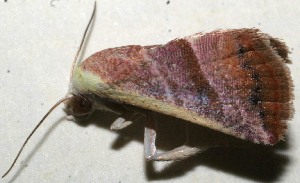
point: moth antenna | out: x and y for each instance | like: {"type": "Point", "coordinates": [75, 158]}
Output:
{"type": "Point", "coordinates": [60, 101]}
{"type": "Point", "coordinates": [36, 127]}
{"type": "Point", "coordinates": [82, 41]}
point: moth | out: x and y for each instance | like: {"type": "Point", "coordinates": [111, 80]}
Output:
{"type": "Point", "coordinates": [233, 81]}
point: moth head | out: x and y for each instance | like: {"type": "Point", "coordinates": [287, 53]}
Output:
{"type": "Point", "coordinates": [78, 106]}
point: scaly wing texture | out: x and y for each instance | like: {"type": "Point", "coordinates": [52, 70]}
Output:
{"type": "Point", "coordinates": [234, 81]}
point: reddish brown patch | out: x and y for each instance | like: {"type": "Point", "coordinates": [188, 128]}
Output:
{"type": "Point", "coordinates": [114, 64]}
{"type": "Point", "coordinates": [245, 61]}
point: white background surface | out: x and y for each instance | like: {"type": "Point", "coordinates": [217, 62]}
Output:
{"type": "Point", "coordinates": [38, 42]}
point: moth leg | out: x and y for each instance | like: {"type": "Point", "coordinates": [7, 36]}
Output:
{"type": "Point", "coordinates": [150, 136]}
{"type": "Point", "coordinates": [124, 121]}
{"type": "Point", "coordinates": [78, 118]}
{"type": "Point", "coordinates": [70, 118]}
{"type": "Point", "coordinates": [178, 153]}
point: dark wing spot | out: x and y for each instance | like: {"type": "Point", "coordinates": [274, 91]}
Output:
{"type": "Point", "coordinates": [256, 89]}
{"type": "Point", "coordinates": [255, 76]}
{"type": "Point", "coordinates": [241, 51]}
{"type": "Point", "coordinates": [245, 65]}
{"type": "Point", "coordinates": [261, 114]}
{"type": "Point", "coordinates": [254, 99]}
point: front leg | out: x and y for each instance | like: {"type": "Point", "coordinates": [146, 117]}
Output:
{"type": "Point", "coordinates": [124, 120]}
{"type": "Point", "coordinates": [127, 115]}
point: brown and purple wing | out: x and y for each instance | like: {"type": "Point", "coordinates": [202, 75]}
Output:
{"type": "Point", "coordinates": [234, 81]}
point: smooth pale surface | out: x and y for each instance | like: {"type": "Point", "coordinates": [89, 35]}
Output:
{"type": "Point", "coordinates": [38, 43]}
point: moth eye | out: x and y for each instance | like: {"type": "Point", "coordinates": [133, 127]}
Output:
{"type": "Point", "coordinates": [79, 106]}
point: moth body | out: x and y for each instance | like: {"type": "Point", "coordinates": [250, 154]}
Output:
{"type": "Point", "coordinates": [233, 81]}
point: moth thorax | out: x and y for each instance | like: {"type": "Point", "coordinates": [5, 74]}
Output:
{"type": "Point", "coordinates": [78, 106]}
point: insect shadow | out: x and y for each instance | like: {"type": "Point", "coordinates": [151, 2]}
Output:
{"type": "Point", "coordinates": [238, 157]}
